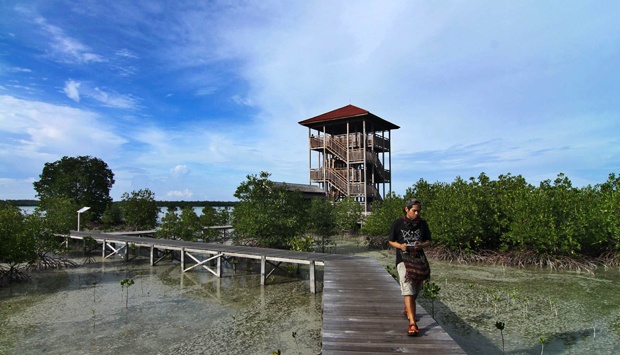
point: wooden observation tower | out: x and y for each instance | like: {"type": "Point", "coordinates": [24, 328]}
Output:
{"type": "Point", "coordinates": [352, 154]}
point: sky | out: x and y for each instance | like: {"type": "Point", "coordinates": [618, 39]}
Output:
{"type": "Point", "coordinates": [187, 98]}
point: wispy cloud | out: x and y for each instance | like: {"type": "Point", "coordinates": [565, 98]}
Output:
{"type": "Point", "coordinates": [115, 100]}
{"type": "Point", "coordinates": [20, 70]}
{"type": "Point", "coordinates": [242, 101]}
{"type": "Point", "coordinates": [123, 63]}
{"type": "Point", "coordinates": [78, 90]}
{"type": "Point", "coordinates": [65, 48]}
{"type": "Point", "coordinates": [71, 89]}
{"type": "Point", "coordinates": [206, 91]}
{"type": "Point", "coordinates": [126, 53]}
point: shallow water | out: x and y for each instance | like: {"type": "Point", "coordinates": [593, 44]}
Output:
{"type": "Point", "coordinates": [575, 313]}
{"type": "Point", "coordinates": [85, 310]}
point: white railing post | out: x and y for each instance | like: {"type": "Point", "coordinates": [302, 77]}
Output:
{"type": "Point", "coordinates": [312, 277]}
{"type": "Point", "coordinates": [263, 267]}
{"type": "Point", "coordinates": [183, 259]}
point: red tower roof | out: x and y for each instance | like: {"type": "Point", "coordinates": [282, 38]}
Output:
{"type": "Point", "coordinates": [347, 113]}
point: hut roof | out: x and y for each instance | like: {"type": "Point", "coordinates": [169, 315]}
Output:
{"type": "Point", "coordinates": [308, 191]}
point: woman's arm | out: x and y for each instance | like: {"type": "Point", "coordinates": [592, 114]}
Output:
{"type": "Point", "coordinates": [397, 245]}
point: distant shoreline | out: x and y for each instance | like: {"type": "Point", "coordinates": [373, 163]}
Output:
{"type": "Point", "coordinates": [34, 203]}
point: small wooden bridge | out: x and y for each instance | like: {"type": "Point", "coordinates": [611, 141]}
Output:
{"type": "Point", "coordinates": [362, 305]}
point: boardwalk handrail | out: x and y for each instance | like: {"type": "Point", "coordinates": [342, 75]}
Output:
{"type": "Point", "coordinates": [188, 248]}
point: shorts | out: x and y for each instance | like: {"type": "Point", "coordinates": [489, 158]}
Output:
{"type": "Point", "coordinates": [407, 288]}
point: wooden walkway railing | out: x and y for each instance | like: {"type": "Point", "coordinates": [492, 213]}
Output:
{"type": "Point", "coordinates": [362, 305]}
{"type": "Point", "coordinates": [196, 251]}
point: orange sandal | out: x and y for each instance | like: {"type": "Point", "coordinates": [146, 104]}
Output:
{"type": "Point", "coordinates": [412, 330]}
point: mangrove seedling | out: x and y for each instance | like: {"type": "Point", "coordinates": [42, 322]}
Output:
{"type": "Point", "coordinates": [487, 292]}
{"type": "Point", "coordinates": [526, 301]}
{"type": "Point", "coordinates": [496, 298]}
{"type": "Point", "coordinates": [513, 295]}
{"type": "Point", "coordinates": [431, 291]}
{"type": "Point", "coordinates": [128, 283]}
{"type": "Point", "coordinates": [500, 326]}
{"type": "Point", "coordinates": [554, 305]}
{"type": "Point", "coordinates": [542, 345]}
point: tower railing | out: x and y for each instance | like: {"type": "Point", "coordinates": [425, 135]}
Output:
{"type": "Point", "coordinates": [337, 177]}
{"type": "Point", "coordinates": [338, 149]}
{"type": "Point", "coordinates": [338, 181]}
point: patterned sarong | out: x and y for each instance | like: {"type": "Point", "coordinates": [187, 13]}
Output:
{"type": "Point", "coordinates": [417, 266]}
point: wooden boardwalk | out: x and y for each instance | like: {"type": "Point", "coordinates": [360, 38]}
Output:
{"type": "Point", "coordinates": [363, 314]}
{"type": "Point", "coordinates": [362, 305]}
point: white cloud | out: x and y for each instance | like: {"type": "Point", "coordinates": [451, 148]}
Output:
{"type": "Point", "coordinates": [206, 91]}
{"type": "Point", "coordinates": [38, 131]}
{"type": "Point", "coordinates": [459, 83]}
{"type": "Point", "coordinates": [65, 48]}
{"type": "Point", "coordinates": [208, 146]}
{"type": "Point", "coordinates": [242, 101]}
{"type": "Point", "coordinates": [126, 53]}
{"type": "Point", "coordinates": [180, 194]}
{"type": "Point", "coordinates": [180, 170]}
{"type": "Point", "coordinates": [20, 70]}
{"type": "Point", "coordinates": [122, 63]}
{"type": "Point", "coordinates": [71, 90]}
{"type": "Point", "coordinates": [114, 100]}
{"type": "Point", "coordinates": [76, 91]}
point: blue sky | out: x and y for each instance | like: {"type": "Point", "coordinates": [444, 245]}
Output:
{"type": "Point", "coordinates": [187, 98]}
